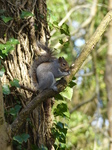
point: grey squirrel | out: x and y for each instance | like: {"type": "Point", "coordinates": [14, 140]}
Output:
{"type": "Point", "coordinates": [46, 68]}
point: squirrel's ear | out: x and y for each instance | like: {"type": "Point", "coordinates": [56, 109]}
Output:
{"type": "Point", "coordinates": [60, 59]}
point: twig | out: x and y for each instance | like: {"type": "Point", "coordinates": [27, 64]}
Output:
{"type": "Point", "coordinates": [23, 28]}
{"type": "Point", "coordinates": [2, 41]}
{"type": "Point", "coordinates": [83, 103]}
{"type": "Point", "coordinates": [27, 88]}
{"type": "Point", "coordinates": [98, 51]}
{"type": "Point", "coordinates": [84, 75]}
{"type": "Point", "coordinates": [68, 15]}
{"type": "Point", "coordinates": [89, 19]}
{"type": "Point", "coordinates": [22, 5]}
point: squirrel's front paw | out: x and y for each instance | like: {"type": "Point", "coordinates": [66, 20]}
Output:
{"type": "Point", "coordinates": [54, 88]}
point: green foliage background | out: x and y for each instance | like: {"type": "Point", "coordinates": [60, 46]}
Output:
{"type": "Point", "coordinates": [82, 134]}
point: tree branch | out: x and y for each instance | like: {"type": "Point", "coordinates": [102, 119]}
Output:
{"type": "Point", "coordinates": [89, 19]}
{"type": "Point", "coordinates": [90, 45]}
{"type": "Point", "coordinates": [68, 15]}
{"type": "Point", "coordinates": [16, 125]}
{"type": "Point", "coordinates": [83, 103]}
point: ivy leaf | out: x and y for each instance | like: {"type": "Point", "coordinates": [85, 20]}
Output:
{"type": "Point", "coordinates": [2, 55]}
{"type": "Point", "coordinates": [12, 41]}
{"type": "Point", "coordinates": [26, 14]}
{"type": "Point", "coordinates": [2, 46]}
{"type": "Point", "coordinates": [61, 41]}
{"type": "Point", "coordinates": [74, 78]}
{"type": "Point", "coordinates": [21, 138]}
{"type": "Point", "coordinates": [6, 19]}
{"type": "Point", "coordinates": [2, 71]}
{"type": "Point", "coordinates": [15, 83]}
{"type": "Point", "coordinates": [55, 23]}
{"type": "Point", "coordinates": [65, 29]}
{"type": "Point", "coordinates": [61, 110]}
{"type": "Point", "coordinates": [62, 131]}
{"type": "Point", "coordinates": [6, 89]}
{"type": "Point", "coordinates": [66, 44]}
{"type": "Point", "coordinates": [14, 111]}
{"type": "Point", "coordinates": [72, 84]}
{"type": "Point", "coordinates": [67, 93]}
{"type": "Point", "coordinates": [61, 127]}
{"type": "Point", "coordinates": [58, 97]}
{"type": "Point", "coordinates": [43, 148]}
{"type": "Point", "coordinates": [7, 49]}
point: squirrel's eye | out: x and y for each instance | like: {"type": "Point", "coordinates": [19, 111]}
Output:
{"type": "Point", "coordinates": [63, 64]}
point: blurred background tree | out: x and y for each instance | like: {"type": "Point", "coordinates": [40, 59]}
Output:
{"type": "Point", "coordinates": [89, 124]}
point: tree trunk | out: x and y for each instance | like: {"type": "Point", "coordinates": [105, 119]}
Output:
{"type": "Point", "coordinates": [28, 31]}
{"type": "Point", "coordinates": [108, 76]}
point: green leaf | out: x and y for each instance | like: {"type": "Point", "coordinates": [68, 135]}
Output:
{"type": "Point", "coordinates": [2, 71]}
{"type": "Point", "coordinates": [61, 110]}
{"type": "Point", "coordinates": [55, 23]}
{"type": "Point", "coordinates": [67, 93]}
{"type": "Point", "coordinates": [66, 44]}
{"type": "Point", "coordinates": [72, 84]}
{"type": "Point", "coordinates": [62, 146]}
{"type": "Point", "coordinates": [26, 14]}
{"type": "Point", "coordinates": [2, 55]}
{"type": "Point", "coordinates": [60, 125]}
{"type": "Point", "coordinates": [67, 114]}
{"type": "Point", "coordinates": [21, 138]}
{"type": "Point", "coordinates": [12, 41]}
{"type": "Point", "coordinates": [65, 29]}
{"type": "Point", "coordinates": [6, 19]}
{"type": "Point", "coordinates": [74, 78]}
{"type": "Point", "coordinates": [6, 89]}
{"type": "Point", "coordinates": [14, 111]}
{"type": "Point", "coordinates": [43, 148]}
{"type": "Point", "coordinates": [7, 49]}
{"type": "Point", "coordinates": [58, 97]}
{"type": "Point", "coordinates": [15, 83]}
{"type": "Point", "coordinates": [62, 131]}
{"type": "Point", "coordinates": [61, 41]}
{"type": "Point", "coordinates": [2, 46]}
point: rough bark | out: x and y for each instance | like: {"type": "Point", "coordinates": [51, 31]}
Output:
{"type": "Point", "coordinates": [18, 62]}
{"type": "Point", "coordinates": [108, 76]}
